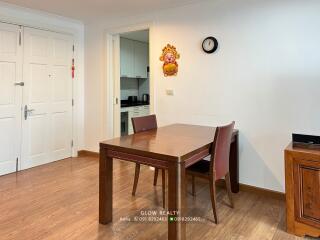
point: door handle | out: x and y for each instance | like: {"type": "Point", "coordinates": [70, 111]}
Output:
{"type": "Point", "coordinates": [19, 84]}
{"type": "Point", "coordinates": [27, 112]}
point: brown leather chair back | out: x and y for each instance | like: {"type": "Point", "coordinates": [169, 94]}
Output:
{"type": "Point", "coordinates": [145, 123]}
{"type": "Point", "coordinates": [221, 150]}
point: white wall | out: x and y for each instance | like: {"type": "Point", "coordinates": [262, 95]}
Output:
{"type": "Point", "coordinates": [265, 75]}
{"type": "Point", "coordinates": [32, 18]}
{"type": "Point", "coordinates": [95, 101]}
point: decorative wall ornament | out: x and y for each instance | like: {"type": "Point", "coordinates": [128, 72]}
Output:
{"type": "Point", "coordinates": [169, 57]}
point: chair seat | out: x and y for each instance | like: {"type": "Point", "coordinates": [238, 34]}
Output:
{"type": "Point", "coordinates": [203, 167]}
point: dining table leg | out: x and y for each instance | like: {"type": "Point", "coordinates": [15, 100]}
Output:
{"type": "Point", "coordinates": [176, 201]}
{"type": "Point", "coordinates": [105, 187]}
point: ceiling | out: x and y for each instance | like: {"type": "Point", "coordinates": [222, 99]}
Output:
{"type": "Point", "coordinates": [142, 36]}
{"type": "Point", "coordinates": [89, 10]}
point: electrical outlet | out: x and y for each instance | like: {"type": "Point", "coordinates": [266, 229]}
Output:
{"type": "Point", "coordinates": [170, 92]}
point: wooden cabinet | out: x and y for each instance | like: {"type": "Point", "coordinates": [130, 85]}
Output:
{"type": "Point", "coordinates": [302, 168]}
{"type": "Point", "coordinates": [134, 58]}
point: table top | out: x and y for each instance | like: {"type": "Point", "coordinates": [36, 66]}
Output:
{"type": "Point", "coordinates": [172, 142]}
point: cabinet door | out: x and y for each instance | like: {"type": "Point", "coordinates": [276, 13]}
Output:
{"type": "Point", "coordinates": [126, 58]}
{"type": "Point", "coordinates": [307, 191]}
{"type": "Point", "coordinates": [143, 111]}
{"type": "Point", "coordinates": [136, 112]}
{"type": "Point", "coordinates": [146, 110]}
{"type": "Point", "coordinates": [130, 127]}
{"type": "Point", "coordinates": [130, 116]}
{"type": "Point", "coordinates": [141, 59]}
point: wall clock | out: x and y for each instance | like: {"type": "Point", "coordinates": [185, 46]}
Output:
{"type": "Point", "coordinates": [210, 45]}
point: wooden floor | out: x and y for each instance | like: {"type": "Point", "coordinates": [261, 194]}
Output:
{"type": "Point", "coordinates": [60, 201]}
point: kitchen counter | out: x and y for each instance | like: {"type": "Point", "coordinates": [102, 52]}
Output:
{"type": "Point", "coordinates": [126, 104]}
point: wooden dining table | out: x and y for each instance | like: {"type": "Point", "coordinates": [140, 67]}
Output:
{"type": "Point", "coordinates": [174, 148]}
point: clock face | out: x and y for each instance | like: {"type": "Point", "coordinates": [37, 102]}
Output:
{"type": "Point", "coordinates": [210, 45]}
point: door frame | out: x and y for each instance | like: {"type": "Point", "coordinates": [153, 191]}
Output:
{"type": "Point", "coordinates": [77, 82]}
{"type": "Point", "coordinates": [112, 75]}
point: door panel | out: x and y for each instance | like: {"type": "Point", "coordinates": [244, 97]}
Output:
{"type": "Point", "coordinates": [38, 45]}
{"type": "Point", "coordinates": [61, 50]}
{"type": "Point", "coordinates": [61, 85]}
{"type": "Point", "coordinates": [47, 131]}
{"type": "Point", "coordinates": [61, 121]}
{"type": "Point", "coordinates": [7, 141]}
{"type": "Point", "coordinates": [36, 97]}
{"type": "Point", "coordinates": [311, 192]}
{"type": "Point", "coordinates": [10, 97]}
{"type": "Point", "coordinates": [38, 134]}
{"type": "Point", "coordinates": [38, 83]}
{"type": "Point", "coordinates": [8, 78]}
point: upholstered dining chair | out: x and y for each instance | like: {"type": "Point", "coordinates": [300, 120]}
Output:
{"type": "Point", "coordinates": [217, 167]}
{"type": "Point", "coordinates": [141, 124]}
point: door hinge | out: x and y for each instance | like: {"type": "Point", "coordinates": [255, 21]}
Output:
{"type": "Point", "coordinates": [20, 38]}
{"type": "Point", "coordinates": [71, 143]}
{"type": "Point", "coordinates": [73, 48]}
{"type": "Point", "coordinates": [72, 102]}
{"type": "Point", "coordinates": [17, 164]}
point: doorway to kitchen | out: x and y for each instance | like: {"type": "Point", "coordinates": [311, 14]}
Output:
{"type": "Point", "coordinates": [134, 78]}
{"type": "Point", "coordinates": [129, 78]}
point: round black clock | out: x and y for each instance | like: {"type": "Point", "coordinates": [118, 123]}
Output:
{"type": "Point", "coordinates": [210, 45]}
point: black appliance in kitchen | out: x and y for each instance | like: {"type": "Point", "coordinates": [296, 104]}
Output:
{"type": "Point", "coordinates": [145, 98]}
{"type": "Point", "coordinates": [132, 99]}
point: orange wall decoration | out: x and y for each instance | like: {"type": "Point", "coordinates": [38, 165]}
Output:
{"type": "Point", "coordinates": [169, 57]}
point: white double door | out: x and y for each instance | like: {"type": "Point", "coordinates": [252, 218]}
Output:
{"type": "Point", "coordinates": [35, 97]}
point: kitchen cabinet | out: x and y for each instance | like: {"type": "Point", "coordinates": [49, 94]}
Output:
{"type": "Point", "coordinates": [141, 59]}
{"type": "Point", "coordinates": [137, 111]}
{"type": "Point", "coordinates": [126, 57]}
{"type": "Point", "coordinates": [134, 58]}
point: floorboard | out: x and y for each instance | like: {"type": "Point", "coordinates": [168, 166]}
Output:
{"type": "Point", "coordinates": [60, 201]}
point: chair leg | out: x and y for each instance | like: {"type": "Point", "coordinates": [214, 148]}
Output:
{"type": "Point", "coordinates": [164, 188]}
{"type": "Point", "coordinates": [155, 179]}
{"type": "Point", "coordinates": [228, 186]}
{"type": "Point", "coordinates": [212, 181]}
{"type": "Point", "coordinates": [193, 186]}
{"type": "Point", "coordinates": [136, 178]}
